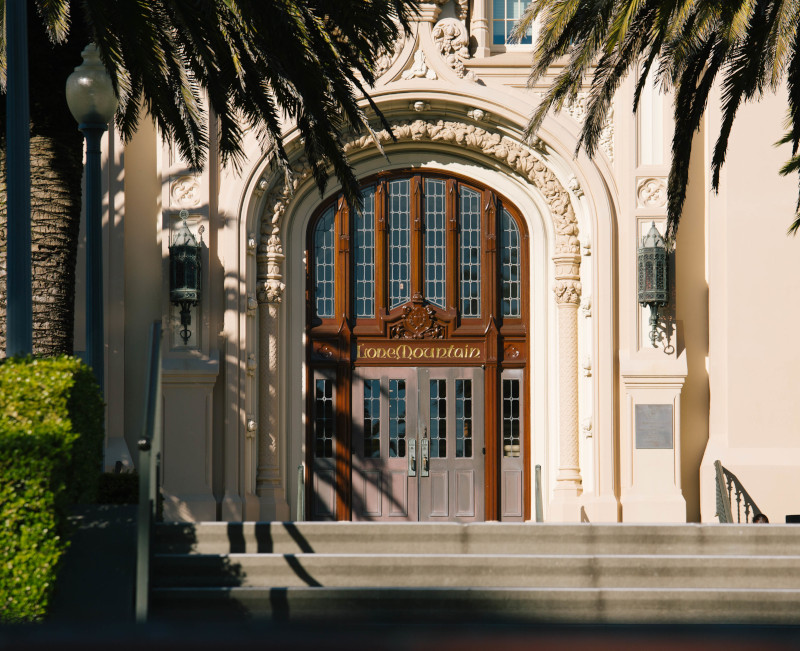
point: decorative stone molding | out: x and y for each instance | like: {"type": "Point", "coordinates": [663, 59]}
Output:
{"type": "Point", "coordinates": [419, 69]}
{"type": "Point", "coordinates": [512, 153]}
{"type": "Point", "coordinates": [587, 248]}
{"type": "Point", "coordinates": [586, 307]}
{"type": "Point", "coordinates": [419, 106]}
{"type": "Point", "coordinates": [452, 39]}
{"type": "Point", "coordinates": [577, 111]}
{"type": "Point", "coordinates": [251, 427]}
{"type": "Point", "coordinates": [568, 291]}
{"type": "Point", "coordinates": [479, 115]}
{"type": "Point", "coordinates": [184, 191]}
{"type": "Point", "coordinates": [386, 58]}
{"type": "Point", "coordinates": [651, 192]}
{"type": "Point", "coordinates": [251, 243]}
{"type": "Point", "coordinates": [252, 364]}
{"type": "Point", "coordinates": [587, 366]}
{"type": "Point", "coordinates": [252, 305]}
{"type": "Point", "coordinates": [586, 427]}
{"type": "Point", "coordinates": [575, 185]}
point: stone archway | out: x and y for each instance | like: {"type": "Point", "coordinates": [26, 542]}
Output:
{"type": "Point", "coordinates": [514, 156]}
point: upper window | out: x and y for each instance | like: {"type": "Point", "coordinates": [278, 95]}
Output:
{"type": "Point", "coordinates": [505, 14]}
{"type": "Point", "coordinates": [452, 244]}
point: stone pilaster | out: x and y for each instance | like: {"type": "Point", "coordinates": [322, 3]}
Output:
{"type": "Point", "coordinates": [269, 485]}
{"type": "Point", "coordinates": [566, 506]}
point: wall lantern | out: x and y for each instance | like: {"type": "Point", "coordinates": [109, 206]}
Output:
{"type": "Point", "coordinates": [653, 283]}
{"type": "Point", "coordinates": [185, 275]}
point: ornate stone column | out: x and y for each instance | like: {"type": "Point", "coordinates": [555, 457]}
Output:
{"type": "Point", "coordinates": [566, 505]}
{"type": "Point", "coordinates": [479, 29]}
{"type": "Point", "coordinates": [269, 487]}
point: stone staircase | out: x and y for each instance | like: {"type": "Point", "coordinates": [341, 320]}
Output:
{"type": "Point", "coordinates": [531, 572]}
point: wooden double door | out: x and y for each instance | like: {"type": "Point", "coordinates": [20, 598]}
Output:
{"type": "Point", "coordinates": [418, 444]}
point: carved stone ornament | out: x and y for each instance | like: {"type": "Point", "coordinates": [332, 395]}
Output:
{"type": "Point", "coordinates": [386, 58]}
{"type": "Point", "coordinates": [568, 292]}
{"type": "Point", "coordinates": [511, 352]}
{"type": "Point", "coordinates": [419, 69]}
{"type": "Point", "coordinates": [479, 115]}
{"type": "Point", "coordinates": [577, 108]}
{"type": "Point", "coordinates": [651, 192]}
{"type": "Point", "coordinates": [270, 291]}
{"type": "Point", "coordinates": [418, 322]}
{"type": "Point", "coordinates": [185, 191]}
{"type": "Point", "coordinates": [252, 364]}
{"type": "Point", "coordinates": [452, 39]}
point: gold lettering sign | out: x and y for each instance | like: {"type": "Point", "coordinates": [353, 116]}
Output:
{"type": "Point", "coordinates": [420, 352]}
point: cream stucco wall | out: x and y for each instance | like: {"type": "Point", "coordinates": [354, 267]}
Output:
{"type": "Point", "coordinates": [754, 284]}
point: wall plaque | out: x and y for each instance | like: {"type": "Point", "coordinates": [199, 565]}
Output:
{"type": "Point", "coordinates": [653, 427]}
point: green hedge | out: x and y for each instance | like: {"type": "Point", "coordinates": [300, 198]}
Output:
{"type": "Point", "coordinates": [51, 436]}
{"type": "Point", "coordinates": [59, 392]}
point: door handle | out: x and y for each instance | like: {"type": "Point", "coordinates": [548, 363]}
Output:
{"type": "Point", "coordinates": [412, 457]}
{"type": "Point", "coordinates": [425, 464]}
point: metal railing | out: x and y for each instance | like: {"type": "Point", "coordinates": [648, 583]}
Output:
{"type": "Point", "coordinates": [538, 493]}
{"type": "Point", "coordinates": [729, 492]}
{"type": "Point", "coordinates": [149, 470]}
{"type": "Point", "coordinates": [301, 492]}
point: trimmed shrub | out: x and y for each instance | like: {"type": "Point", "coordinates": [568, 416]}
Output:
{"type": "Point", "coordinates": [58, 392]}
{"type": "Point", "coordinates": [51, 449]}
{"type": "Point", "coordinates": [34, 467]}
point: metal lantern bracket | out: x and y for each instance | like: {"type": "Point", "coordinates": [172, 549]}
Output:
{"type": "Point", "coordinates": [653, 280]}
{"type": "Point", "coordinates": [185, 273]}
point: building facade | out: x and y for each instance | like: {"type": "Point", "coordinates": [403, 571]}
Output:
{"type": "Point", "coordinates": [475, 323]}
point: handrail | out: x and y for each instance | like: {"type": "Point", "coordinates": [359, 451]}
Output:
{"type": "Point", "coordinates": [728, 486]}
{"type": "Point", "coordinates": [149, 466]}
{"type": "Point", "coordinates": [301, 492]}
{"type": "Point", "coordinates": [538, 493]}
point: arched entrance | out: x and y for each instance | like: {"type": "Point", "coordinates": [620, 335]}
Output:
{"type": "Point", "coordinates": [417, 353]}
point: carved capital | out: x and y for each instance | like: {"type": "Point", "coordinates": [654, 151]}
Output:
{"type": "Point", "coordinates": [568, 292]}
{"type": "Point", "coordinates": [270, 291]}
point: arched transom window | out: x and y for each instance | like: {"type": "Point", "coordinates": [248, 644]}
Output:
{"type": "Point", "coordinates": [441, 240]}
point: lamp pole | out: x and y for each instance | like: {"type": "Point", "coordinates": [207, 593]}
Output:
{"type": "Point", "coordinates": [91, 100]}
{"type": "Point", "coordinates": [19, 315]}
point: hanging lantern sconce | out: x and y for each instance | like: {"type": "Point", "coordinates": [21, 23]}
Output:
{"type": "Point", "coordinates": [653, 278]}
{"type": "Point", "coordinates": [185, 274]}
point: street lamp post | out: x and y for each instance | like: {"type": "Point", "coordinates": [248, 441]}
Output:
{"type": "Point", "coordinates": [19, 322]}
{"type": "Point", "coordinates": [92, 102]}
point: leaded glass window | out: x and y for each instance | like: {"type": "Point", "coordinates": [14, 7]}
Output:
{"type": "Point", "coordinates": [324, 422]}
{"type": "Point", "coordinates": [399, 242]}
{"type": "Point", "coordinates": [438, 418]}
{"type": "Point", "coordinates": [372, 419]}
{"type": "Point", "coordinates": [364, 256]}
{"type": "Point", "coordinates": [510, 266]}
{"type": "Point", "coordinates": [511, 418]}
{"type": "Point", "coordinates": [324, 278]}
{"type": "Point", "coordinates": [435, 243]}
{"type": "Point", "coordinates": [463, 418]}
{"type": "Point", "coordinates": [397, 418]}
{"type": "Point", "coordinates": [470, 250]}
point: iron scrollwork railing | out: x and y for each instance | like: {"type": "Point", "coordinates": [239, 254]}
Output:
{"type": "Point", "coordinates": [730, 492]}
{"type": "Point", "coordinates": [149, 473]}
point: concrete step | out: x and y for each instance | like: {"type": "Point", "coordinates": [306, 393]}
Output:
{"type": "Point", "coordinates": [478, 538]}
{"type": "Point", "coordinates": [442, 605]}
{"type": "Point", "coordinates": [477, 570]}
